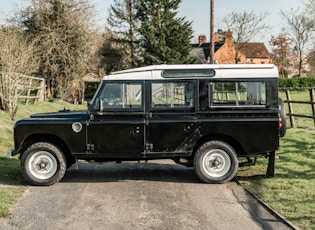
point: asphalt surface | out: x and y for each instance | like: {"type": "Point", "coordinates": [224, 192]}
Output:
{"type": "Point", "coordinates": [153, 195]}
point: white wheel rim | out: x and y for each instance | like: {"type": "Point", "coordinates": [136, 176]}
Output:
{"type": "Point", "coordinates": [216, 163]}
{"type": "Point", "coordinates": [42, 165]}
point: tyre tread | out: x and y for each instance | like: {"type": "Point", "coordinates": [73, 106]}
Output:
{"type": "Point", "coordinates": [198, 159]}
{"type": "Point", "coordinates": [62, 166]}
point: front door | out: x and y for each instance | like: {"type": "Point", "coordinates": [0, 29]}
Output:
{"type": "Point", "coordinates": [117, 126]}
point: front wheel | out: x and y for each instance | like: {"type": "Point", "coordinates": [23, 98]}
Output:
{"type": "Point", "coordinates": [43, 164]}
{"type": "Point", "coordinates": [215, 162]}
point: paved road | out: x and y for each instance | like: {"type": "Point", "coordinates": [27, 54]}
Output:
{"type": "Point", "coordinates": [158, 195]}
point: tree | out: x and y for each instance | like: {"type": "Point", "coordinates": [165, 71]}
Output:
{"type": "Point", "coordinates": [244, 26]}
{"type": "Point", "coordinates": [280, 49]}
{"type": "Point", "coordinates": [311, 62]}
{"type": "Point", "coordinates": [124, 23]}
{"type": "Point", "coordinates": [310, 9]}
{"type": "Point", "coordinates": [165, 38]}
{"type": "Point", "coordinates": [299, 28]}
{"type": "Point", "coordinates": [112, 54]}
{"type": "Point", "coordinates": [61, 30]}
{"type": "Point", "coordinates": [17, 60]}
{"type": "Point", "coordinates": [93, 64]}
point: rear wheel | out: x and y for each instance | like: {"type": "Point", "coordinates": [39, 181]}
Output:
{"type": "Point", "coordinates": [43, 164]}
{"type": "Point", "coordinates": [215, 162]}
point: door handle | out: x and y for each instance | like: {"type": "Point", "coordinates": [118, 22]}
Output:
{"type": "Point", "coordinates": [188, 127]}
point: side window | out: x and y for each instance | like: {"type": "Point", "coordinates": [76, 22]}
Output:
{"type": "Point", "coordinates": [172, 94]}
{"type": "Point", "coordinates": [121, 96]}
{"type": "Point", "coordinates": [237, 94]}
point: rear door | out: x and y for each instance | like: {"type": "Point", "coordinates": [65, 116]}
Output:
{"type": "Point", "coordinates": [171, 121]}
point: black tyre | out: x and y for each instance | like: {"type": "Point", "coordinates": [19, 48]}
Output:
{"type": "Point", "coordinates": [43, 164]}
{"type": "Point", "coordinates": [215, 162]}
{"type": "Point", "coordinates": [283, 128]}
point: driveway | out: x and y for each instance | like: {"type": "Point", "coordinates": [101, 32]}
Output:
{"type": "Point", "coordinates": [153, 195]}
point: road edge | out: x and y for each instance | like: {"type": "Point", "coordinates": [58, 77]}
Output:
{"type": "Point", "coordinates": [267, 207]}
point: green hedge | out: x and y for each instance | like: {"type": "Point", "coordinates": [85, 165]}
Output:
{"type": "Point", "coordinates": [297, 82]}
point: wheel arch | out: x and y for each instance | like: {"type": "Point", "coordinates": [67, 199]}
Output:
{"type": "Point", "coordinates": [50, 138]}
{"type": "Point", "coordinates": [219, 137]}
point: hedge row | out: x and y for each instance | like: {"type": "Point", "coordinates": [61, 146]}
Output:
{"type": "Point", "coordinates": [297, 82]}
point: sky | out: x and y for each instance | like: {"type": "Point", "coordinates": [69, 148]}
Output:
{"type": "Point", "coordinates": [198, 12]}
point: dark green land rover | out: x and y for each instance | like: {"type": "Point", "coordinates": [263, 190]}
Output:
{"type": "Point", "coordinates": [203, 116]}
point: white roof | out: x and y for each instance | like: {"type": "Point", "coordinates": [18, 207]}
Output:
{"type": "Point", "coordinates": [221, 71]}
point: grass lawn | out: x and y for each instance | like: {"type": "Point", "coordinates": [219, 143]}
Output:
{"type": "Point", "coordinates": [292, 191]}
{"type": "Point", "coordinates": [12, 184]}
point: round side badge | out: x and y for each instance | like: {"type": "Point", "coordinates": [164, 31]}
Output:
{"type": "Point", "coordinates": [77, 127]}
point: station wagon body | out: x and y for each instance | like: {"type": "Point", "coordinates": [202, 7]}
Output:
{"type": "Point", "coordinates": [204, 116]}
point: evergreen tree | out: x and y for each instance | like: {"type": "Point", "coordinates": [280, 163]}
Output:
{"type": "Point", "coordinates": [124, 24]}
{"type": "Point", "coordinates": [165, 38]}
{"type": "Point", "coordinates": [112, 54]}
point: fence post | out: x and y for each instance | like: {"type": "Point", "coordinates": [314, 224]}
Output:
{"type": "Point", "coordinates": [312, 95]}
{"type": "Point", "coordinates": [42, 91]}
{"type": "Point", "coordinates": [287, 92]}
{"type": "Point", "coordinates": [28, 91]}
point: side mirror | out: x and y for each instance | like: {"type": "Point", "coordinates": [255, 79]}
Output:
{"type": "Point", "coordinates": [88, 104]}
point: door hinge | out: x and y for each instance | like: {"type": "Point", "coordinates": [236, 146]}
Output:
{"type": "Point", "coordinates": [148, 147]}
{"type": "Point", "coordinates": [90, 147]}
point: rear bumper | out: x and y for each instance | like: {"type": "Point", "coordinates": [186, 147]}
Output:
{"type": "Point", "coordinates": [11, 153]}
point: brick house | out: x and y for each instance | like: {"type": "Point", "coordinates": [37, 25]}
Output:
{"type": "Point", "coordinates": [224, 50]}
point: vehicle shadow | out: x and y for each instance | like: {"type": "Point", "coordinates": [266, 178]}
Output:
{"type": "Point", "coordinates": [126, 171]}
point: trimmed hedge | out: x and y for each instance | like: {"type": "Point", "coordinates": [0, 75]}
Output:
{"type": "Point", "coordinates": [297, 82]}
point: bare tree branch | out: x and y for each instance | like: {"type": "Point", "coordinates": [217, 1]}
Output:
{"type": "Point", "coordinates": [244, 26]}
{"type": "Point", "coordinates": [299, 28]}
{"type": "Point", "coordinates": [62, 29]}
{"type": "Point", "coordinates": [17, 60]}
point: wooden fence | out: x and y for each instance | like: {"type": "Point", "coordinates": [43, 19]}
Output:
{"type": "Point", "coordinates": [291, 114]}
{"type": "Point", "coordinates": [34, 89]}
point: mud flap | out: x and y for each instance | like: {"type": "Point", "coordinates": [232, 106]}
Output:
{"type": "Point", "coordinates": [271, 164]}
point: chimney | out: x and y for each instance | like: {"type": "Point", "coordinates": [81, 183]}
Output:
{"type": "Point", "coordinates": [228, 36]}
{"type": "Point", "coordinates": [202, 39]}
{"type": "Point", "coordinates": [219, 36]}
{"type": "Point", "coordinates": [216, 37]}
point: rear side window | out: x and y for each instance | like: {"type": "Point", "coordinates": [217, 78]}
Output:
{"type": "Point", "coordinates": [237, 94]}
{"type": "Point", "coordinates": [172, 94]}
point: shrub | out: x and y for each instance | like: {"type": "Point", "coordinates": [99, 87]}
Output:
{"type": "Point", "coordinates": [297, 82]}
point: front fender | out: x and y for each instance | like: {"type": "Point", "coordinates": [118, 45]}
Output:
{"type": "Point", "coordinates": [30, 131]}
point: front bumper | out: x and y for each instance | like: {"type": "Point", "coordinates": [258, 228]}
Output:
{"type": "Point", "coordinates": [11, 153]}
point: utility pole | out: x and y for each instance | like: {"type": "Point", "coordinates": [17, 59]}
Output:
{"type": "Point", "coordinates": [211, 54]}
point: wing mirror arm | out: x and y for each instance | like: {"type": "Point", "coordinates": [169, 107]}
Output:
{"type": "Point", "coordinates": [96, 106]}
